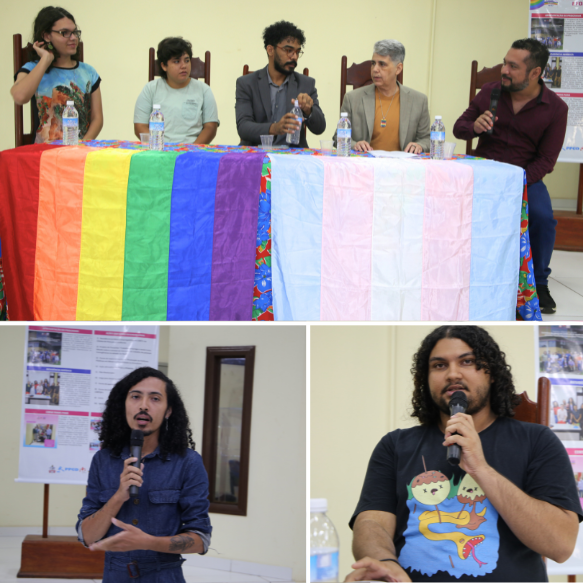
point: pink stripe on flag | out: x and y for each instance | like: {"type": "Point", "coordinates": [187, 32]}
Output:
{"type": "Point", "coordinates": [347, 239]}
{"type": "Point", "coordinates": [447, 242]}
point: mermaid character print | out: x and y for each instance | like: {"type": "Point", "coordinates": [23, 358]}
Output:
{"type": "Point", "coordinates": [452, 527]}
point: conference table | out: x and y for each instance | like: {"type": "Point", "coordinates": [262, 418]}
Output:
{"type": "Point", "coordinates": [109, 230]}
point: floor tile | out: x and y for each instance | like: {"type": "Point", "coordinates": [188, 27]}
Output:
{"type": "Point", "coordinates": [569, 303]}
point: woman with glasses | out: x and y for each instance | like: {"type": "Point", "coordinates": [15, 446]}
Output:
{"type": "Point", "coordinates": [54, 75]}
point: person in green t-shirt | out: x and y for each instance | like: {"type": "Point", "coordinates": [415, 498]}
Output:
{"type": "Point", "coordinates": [188, 105]}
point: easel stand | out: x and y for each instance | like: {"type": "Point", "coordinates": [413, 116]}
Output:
{"type": "Point", "coordinates": [61, 557]}
{"type": "Point", "coordinates": [569, 235]}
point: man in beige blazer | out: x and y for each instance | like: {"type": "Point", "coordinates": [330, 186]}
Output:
{"type": "Point", "coordinates": [387, 115]}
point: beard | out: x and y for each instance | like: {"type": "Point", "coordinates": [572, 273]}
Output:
{"type": "Point", "coordinates": [281, 68]}
{"type": "Point", "coordinates": [513, 87]}
{"type": "Point", "coordinates": [475, 403]}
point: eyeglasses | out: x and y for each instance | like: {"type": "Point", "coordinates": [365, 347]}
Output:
{"type": "Point", "coordinates": [68, 33]}
{"type": "Point", "coordinates": [289, 51]}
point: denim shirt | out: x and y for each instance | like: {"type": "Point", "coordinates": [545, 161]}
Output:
{"type": "Point", "coordinates": [172, 499]}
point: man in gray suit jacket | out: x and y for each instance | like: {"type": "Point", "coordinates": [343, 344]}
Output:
{"type": "Point", "coordinates": [369, 107]}
{"type": "Point", "coordinates": [264, 99]}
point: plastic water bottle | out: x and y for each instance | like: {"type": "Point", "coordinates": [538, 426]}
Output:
{"type": "Point", "coordinates": [70, 125]}
{"type": "Point", "coordinates": [323, 543]}
{"type": "Point", "coordinates": [343, 136]}
{"type": "Point", "coordinates": [437, 139]}
{"type": "Point", "coordinates": [295, 137]}
{"type": "Point", "coordinates": [156, 129]}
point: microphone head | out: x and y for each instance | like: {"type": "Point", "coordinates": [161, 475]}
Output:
{"type": "Point", "coordinates": [459, 398]}
{"type": "Point", "coordinates": [495, 93]}
{"type": "Point", "coordinates": [137, 437]}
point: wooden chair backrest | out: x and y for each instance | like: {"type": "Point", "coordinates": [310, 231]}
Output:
{"type": "Point", "coordinates": [21, 56]}
{"type": "Point", "coordinates": [537, 412]}
{"type": "Point", "coordinates": [357, 75]}
{"type": "Point", "coordinates": [198, 69]}
{"type": "Point", "coordinates": [477, 81]}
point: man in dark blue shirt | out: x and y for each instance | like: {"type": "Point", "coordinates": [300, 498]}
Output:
{"type": "Point", "coordinates": [144, 535]}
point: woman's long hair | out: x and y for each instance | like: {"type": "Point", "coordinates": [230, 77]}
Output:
{"type": "Point", "coordinates": [115, 431]}
{"type": "Point", "coordinates": [43, 24]}
{"type": "Point", "coordinates": [503, 397]}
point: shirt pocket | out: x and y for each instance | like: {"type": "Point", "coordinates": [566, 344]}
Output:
{"type": "Point", "coordinates": [164, 513]}
{"type": "Point", "coordinates": [190, 111]}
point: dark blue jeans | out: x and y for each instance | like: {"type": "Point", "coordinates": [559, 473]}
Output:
{"type": "Point", "coordinates": [541, 226]}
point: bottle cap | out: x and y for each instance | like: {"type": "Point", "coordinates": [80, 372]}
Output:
{"type": "Point", "coordinates": [344, 114]}
{"type": "Point", "coordinates": [156, 106]}
{"type": "Point", "coordinates": [437, 117]}
{"type": "Point", "coordinates": [318, 505]}
{"type": "Point", "coordinates": [296, 104]}
{"type": "Point", "coordinates": [70, 103]}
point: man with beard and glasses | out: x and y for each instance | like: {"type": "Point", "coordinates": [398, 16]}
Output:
{"type": "Point", "coordinates": [265, 98]}
{"type": "Point", "coordinates": [528, 131]}
{"type": "Point", "coordinates": [512, 499]}
{"type": "Point", "coordinates": [144, 535]}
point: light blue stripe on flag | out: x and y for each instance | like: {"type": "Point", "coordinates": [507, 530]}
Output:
{"type": "Point", "coordinates": [495, 263]}
{"type": "Point", "coordinates": [297, 194]}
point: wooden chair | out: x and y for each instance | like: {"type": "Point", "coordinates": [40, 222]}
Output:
{"type": "Point", "coordinates": [246, 71]}
{"type": "Point", "coordinates": [198, 69]}
{"type": "Point", "coordinates": [533, 412]}
{"type": "Point", "coordinates": [20, 58]}
{"type": "Point", "coordinates": [357, 76]}
{"type": "Point", "coordinates": [477, 81]}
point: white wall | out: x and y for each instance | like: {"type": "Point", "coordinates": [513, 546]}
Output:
{"type": "Point", "coordinates": [274, 530]}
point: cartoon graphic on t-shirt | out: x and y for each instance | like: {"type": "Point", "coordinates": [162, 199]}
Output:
{"type": "Point", "coordinates": [441, 534]}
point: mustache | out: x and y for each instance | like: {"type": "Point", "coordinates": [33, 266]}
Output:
{"type": "Point", "coordinates": [294, 63]}
{"type": "Point", "coordinates": [142, 413]}
{"type": "Point", "coordinates": [448, 388]}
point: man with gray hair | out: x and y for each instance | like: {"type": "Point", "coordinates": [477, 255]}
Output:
{"type": "Point", "coordinates": [387, 115]}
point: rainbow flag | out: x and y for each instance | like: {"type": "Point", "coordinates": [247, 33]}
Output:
{"type": "Point", "coordinates": [116, 234]}
{"type": "Point", "coordinates": [111, 231]}
{"type": "Point", "coordinates": [395, 239]}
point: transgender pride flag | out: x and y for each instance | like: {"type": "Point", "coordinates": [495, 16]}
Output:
{"type": "Point", "coordinates": [394, 239]}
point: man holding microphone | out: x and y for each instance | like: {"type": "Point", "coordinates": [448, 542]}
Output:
{"type": "Point", "coordinates": [511, 500]}
{"type": "Point", "coordinates": [145, 534]}
{"type": "Point", "coordinates": [528, 131]}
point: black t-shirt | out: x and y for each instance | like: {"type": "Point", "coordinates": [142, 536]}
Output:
{"type": "Point", "coordinates": [447, 530]}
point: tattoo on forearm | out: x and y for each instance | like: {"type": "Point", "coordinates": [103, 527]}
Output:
{"type": "Point", "coordinates": [181, 542]}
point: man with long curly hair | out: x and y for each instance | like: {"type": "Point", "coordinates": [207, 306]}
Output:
{"type": "Point", "coordinates": [512, 498]}
{"type": "Point", "coordinates": [146, 534]}
{"type": "Point", "coordinates": [265, 98]}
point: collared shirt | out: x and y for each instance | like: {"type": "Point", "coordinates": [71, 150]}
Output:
{"type": "Point", "coordinates": [278, 94]}
{"type": "Point", "coordinates": [172, 499]}
{"type": "Point", "coordinates": [531, 138]}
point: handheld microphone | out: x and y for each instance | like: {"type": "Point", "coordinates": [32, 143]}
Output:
{"type": "Point", "coordinates": [136, 443]}
{"type": "Point", "coordinates": [494, 98]}
{"type": "Point", "coordinates": [457, 404]}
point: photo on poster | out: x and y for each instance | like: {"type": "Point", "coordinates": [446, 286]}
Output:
{"type": "Point", "coordinates": [553, 72]}
{"type": "Point", "coordinates": [40, 430]}
{"type": "Point", "coordinates": [44, 347]}
{"type": "Point", "coordinates": [560, 350]}
{"type": "Point", "coordinates": [95, 426]}
{"type": "Point", "coordinates": [549, 31]}
{"type": "Point", "coordinates": [42, 387]}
